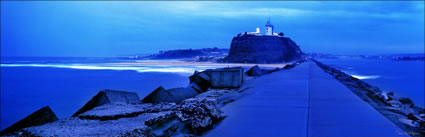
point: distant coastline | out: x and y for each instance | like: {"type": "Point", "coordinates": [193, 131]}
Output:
{"type": "Point", "coordinates": [394, 57]}
{"type": "Point", "coordinates": [216, 54]}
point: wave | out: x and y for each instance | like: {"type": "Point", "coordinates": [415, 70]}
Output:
{"type": "Point", "coordinates": [169, 69]}
{"type": "Point", "coordinates": [366, 77]}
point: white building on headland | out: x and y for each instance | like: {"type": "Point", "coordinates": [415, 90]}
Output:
{"type": "Point", "coordinates": [268, 31]}
{"type": "Point", "coordinates": [269, 28]}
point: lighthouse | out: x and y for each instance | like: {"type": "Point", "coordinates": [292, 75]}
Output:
{"type": "Point", "coordinates": [269, 28]}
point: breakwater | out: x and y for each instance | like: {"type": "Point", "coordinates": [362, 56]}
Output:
{"type": "Point", "coordinates": [400, 110]}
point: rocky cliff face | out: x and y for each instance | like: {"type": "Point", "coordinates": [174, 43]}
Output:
{"type": "Point", "coordinates": [263, 49]}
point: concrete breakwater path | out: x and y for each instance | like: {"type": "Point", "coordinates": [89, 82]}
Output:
{"type": "Point", "coordinates": [303, 101]}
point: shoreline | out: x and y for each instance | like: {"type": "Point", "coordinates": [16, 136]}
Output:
{"type": "Point", "coordinates": [188, 63]}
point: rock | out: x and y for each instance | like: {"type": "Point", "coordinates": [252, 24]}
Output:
{"type": "Point", "coordinates": [383, 95]}
{"type": "Point", "coordinates": [117, 111]}
{"type": "Point", "coordinates": [394, 103]}
{"type": "Point", "coordinates": [140, 132]}
{"type": "Point", "coordinates": [263, 49]}
{"type": "Point", "coordinates": [75, 127]}
{"type": "Point", "coordinates": [414, 117]}
{"type": "Point", "coordinates": [254, 71]}
{"type": "Point", "coordinates": [226, 77]}
{"type": "Point", "coordinates": [409, 122]}
{"type": "Point", "coordinates": [175, 95]}
{"type": "Point", "coordinates": [407, 101]}
{"type": "Point", "coordinates": [160, 119]}
{"type": "Point", "coordinates": [406, 109]}
{"type": "Point", "coordinates": [202, 114]}
{"type": "Point", "coordinates": [268, 71]}
{"type": "Point", "coordinates": [390, 94]}
{"type": "Point", "coordinates": [289, 66]}
{"type": "Point", "coordinates": [39, 117]}
{"type": "Point", "coordinates": [202, 80]}
{"type": "Point", "coordinates": [274, 70]}
{"type": "Point", "coordinates": [392, 108]}
{"type": "Point", "coordinates": [109, 97]}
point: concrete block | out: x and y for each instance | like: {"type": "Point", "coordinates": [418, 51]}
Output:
{"type": "Point", "coordinates": [226, 77]}
{"type": "Point", "coordinates": [157, 96]}
{"type": "Point", "coordinates": [109, 97]}
{"type": "Point", "coordinates": [39, 117]}
{"type": "Point", "coordinates": [268, 71]}
{"type": "Point", "coordinates": [196, 87]}
{"type": "Point", "coordinates": [202, 80]}
{"type": "Point", "coordinates": [180, 94]}
{"type": "Point", "coordinates": [175, 95]}
{"type": "Point", "coordinates": [254, 71]}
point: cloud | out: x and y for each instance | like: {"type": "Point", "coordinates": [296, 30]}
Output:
{"type": "Point", "coordinates": [112, 27]}
{"type": "Point", "coordinates": [227, 9]}
{"type": "Point", "coordinates": [388, 10]}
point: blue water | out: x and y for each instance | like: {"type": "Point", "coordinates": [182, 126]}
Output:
{"type": "Point", "coordinates": [34, 83]}
{"type": "Point", "coordinates": [404, 78]}
{"type": "Point", "coordinates": [66, 84]}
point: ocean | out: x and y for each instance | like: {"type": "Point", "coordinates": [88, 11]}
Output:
{"type": "Point", "coordinates": [66, 84]}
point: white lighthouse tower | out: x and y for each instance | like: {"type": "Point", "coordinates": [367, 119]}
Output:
{"type": "Point", "coordinates": [269, 28]}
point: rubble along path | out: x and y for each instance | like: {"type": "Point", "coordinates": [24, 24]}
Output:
{"type": "Point", "coordinates": [303, 101]}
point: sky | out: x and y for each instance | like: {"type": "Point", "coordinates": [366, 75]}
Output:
{"type": "Point", "coordinates": [114, 28]}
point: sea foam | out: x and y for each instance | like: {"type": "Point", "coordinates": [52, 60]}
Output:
{"type": "Point", "coordinates": [366, 77]}
{"type": "Point", "coordinates": [165, 68]}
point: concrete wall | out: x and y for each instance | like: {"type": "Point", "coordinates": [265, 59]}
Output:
{"type": "Point", "coordinates": [226, 78]}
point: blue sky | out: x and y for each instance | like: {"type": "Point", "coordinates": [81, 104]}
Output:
{"type": "Point", "coordinates": [111, 28]}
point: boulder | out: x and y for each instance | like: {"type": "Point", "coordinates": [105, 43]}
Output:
{"type": "Point", "coordinates": [394, 103]}
{"type": "Point", "coordinates": [174, 95]}
{"type": "Point", "coordinates": [422, 115]}
{"type": "Point", "coordinates": [409, 122]}
{"type": "Point", "coordinates": [109, 97]}
{"type": "Point", "coordinates": [406, 109]}
{"type": "Point", "coordinates": [390, 94]}
{"type": "Point", "coordinates": [39, 117]}
{"type": "Point", "coordinates": [383, 95]}
{"type": "Point", "coordinates": [414, 117]}
{"type": "Point", "coordinates": [254, 71]}
{"type": "Point", "coordinates": [289, 66]}
{"type": "Point", "coordinates": [274, 70]}
{"type": "Point", "coordinates": [407, 101]}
